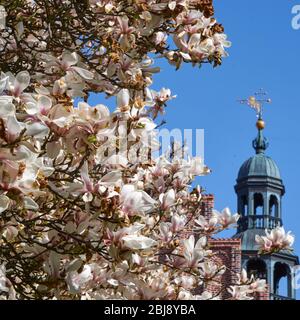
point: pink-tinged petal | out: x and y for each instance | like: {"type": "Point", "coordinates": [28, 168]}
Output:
{"type": "Point", "coordinates": [167, 199]}
{"type": "Point", "coordinates": [37, 129]}
{"type": "Point", "coordinates": [44, 104]}
{"type": "Point", "coordinates": [32, 108]}
{"type": "Point", "coordinates": [77, 280]}
{"type": "Point", "coordinates": [21, 153]}
{"type": "Point", "coordinates": [180, 43]}
{"type": "Point", "coordinates": [123, 23]}
{"type": "Point", "coordinates": [69, 59]}
{"type": "Point", "coordinates": [194, 40]}
{"type": "Point", "coordinates": [53, 149]}
{"type": "Point", "coordinates": [59, 87]}
{"type": "Point", "coordinates": [123, 98]}
{"type": "Point", "coordinates": [88, 184]}
{"type": "Point", "coordinates": [112, 178]}
{"type": "Point", "coordinates": [177, 223]}
{"type": "Point", "coordinates": [10, 232]}
{"type": "Point", "coordinates": [126, 191]}
{"type": "Point", "coordinates": [103, 110]}
{"type": "Point", "coordinates": [136, 242]}
{"type": "Point", "coordinates": [14, 128]}
{"type": "Point", "coordinates": [22, 81]}
{"type": "Point", "coordinates": [6, 109]}
{"type": "Point", "coordinates": [30, 204]}
{"type": "Point", "coordinates": [85, 74]}
{"type": "Point", "coordinates": [4, 203]}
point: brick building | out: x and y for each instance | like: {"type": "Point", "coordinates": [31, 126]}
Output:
{"type": "Point", "coordinates": [227, 252]}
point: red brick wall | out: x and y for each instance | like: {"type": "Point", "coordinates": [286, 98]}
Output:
{"type": "Point", "coordinates": [226, 252]}
{"type": "Point", "coordinates": [207, 203]}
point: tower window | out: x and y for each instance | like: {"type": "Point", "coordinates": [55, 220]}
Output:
{"type": "Point", "coordinates": [282, 280]}
{"type": "Point", "coordinates": [244, 205]}
{"type": "Point", "coordinates": [273, 205]}
{"type": "Point", "coordinates": [258, 204]}
{"type": "Point", "coordinates": [257, 268]}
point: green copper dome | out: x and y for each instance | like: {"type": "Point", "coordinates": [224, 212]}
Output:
{"type": "Point", "coordinates": [259, 165]}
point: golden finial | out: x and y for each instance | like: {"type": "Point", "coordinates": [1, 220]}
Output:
{"type": "Point", "coordinates": [260, 124]}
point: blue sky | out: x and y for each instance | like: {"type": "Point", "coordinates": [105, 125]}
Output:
{"type": "Point", "coordinates": [264, 54]}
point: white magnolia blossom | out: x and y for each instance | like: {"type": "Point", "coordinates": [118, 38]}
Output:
{"type": "Point", "coordinates": [275, 240]}
{"type": "Point", "coordinates": [225, 218]}
{"type": "Point", "coordinates": [194, 252]}
{"type": "Point", "coordinates": [86, 211]}
{"type": "Point", "coordinates": [216, 222]}
{"type": "Point", "coordinates": [209, 270]}
{"type": "Point", "coordinates": [247, 287]}
{"type": "Point", "coordinates": [77, 280]}
{"type": "Point", "coordinates": [167, 199]}
{"type": "Point", "coordinates": [137, 242]}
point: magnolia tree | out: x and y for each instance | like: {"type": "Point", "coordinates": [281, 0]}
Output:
{"type": "Point", "coordinates": [86, 212]}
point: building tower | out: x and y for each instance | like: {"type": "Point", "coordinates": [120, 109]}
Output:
{"type": "Point", "coordinates": [259, 190]}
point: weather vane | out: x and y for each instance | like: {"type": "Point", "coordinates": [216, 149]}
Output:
{"type": "Point", "coordinates": [257, 102]}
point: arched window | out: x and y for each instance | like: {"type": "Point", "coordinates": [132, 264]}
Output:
{"type": "Point", "coordinates": [257, 268]}
{"type": "Point", "coordinates": [282, 280]}
{"type": "Point", "coordinates": [273, 205]}
{"type": "Point", "coordinates": [258, 204]}
{"type": "Point", "coordinates": [244, 203]}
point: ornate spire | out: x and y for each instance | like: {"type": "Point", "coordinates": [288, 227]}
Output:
{"type": "Point", "coordinates": [256, 102]}
{"type": "Point", "coordinates": [260, 144]}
